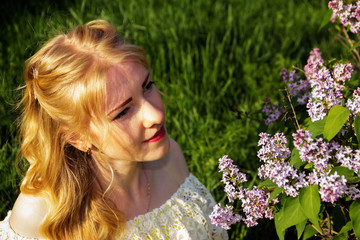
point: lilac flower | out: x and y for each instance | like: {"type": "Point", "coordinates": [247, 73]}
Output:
{"type": "Point", "coordinates": [314, 63]}
{"type": "Point", "coordinates": [316, 110]}
{"type": "Point", "coordinates": [348, 158]}
{"type": "Point", "coordinates": [348, 14]}
{"type": "Point", "coordinates": [231, 178]}
{"type": "Point", "coordinates": [326, 85]}
{"type": "Point", "coordinates": [254, 206]}
{"type": "Point", "coordinates": [273, 111]}
{"type": "Point", "coordinates": [353, 192]}
{"type": "Point", "coordinates": [224, 217]}
{"type": "Point", "coordinates": [354, 104]}
{"type": "Point", "coordinates": [297, 87]}
{"type": "Point", "coordinates": [313, 151]}
{"type": "Point", "coordinates": [274, 153]}
{"type": "Point", "coordinates": [342, 73]}
{"type": "Point", "coordinates": [331, 187]}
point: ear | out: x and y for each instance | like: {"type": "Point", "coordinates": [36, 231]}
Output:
{"type": "Point", "coordinates": [75, 139]}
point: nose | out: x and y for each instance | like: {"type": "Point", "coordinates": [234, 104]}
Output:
{"type": "Point", "coordinates": [151, 114]}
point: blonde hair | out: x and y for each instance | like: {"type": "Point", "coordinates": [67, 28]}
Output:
{"type": "Point", "coordinates": [65, 84]}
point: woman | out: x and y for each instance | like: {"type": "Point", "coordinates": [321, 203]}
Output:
{"type": "Point", "coordinates": [101, 163]}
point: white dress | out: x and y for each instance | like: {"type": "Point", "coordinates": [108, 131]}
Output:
{"type": "Point", "coordinates": [184, 216]}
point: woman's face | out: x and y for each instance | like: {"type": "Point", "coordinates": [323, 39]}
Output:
{"type": "Point", "coordinates": [136, 113]}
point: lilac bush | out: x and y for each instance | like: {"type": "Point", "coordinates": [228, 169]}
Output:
{"type": "Point", "coordinates": [309, 175]}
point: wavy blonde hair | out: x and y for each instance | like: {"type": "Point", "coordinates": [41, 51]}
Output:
{"type": "Point", "coordinates": [65, 86]}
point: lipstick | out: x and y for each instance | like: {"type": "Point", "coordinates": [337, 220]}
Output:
{"type": "Point", "coordinates": [158, 135]}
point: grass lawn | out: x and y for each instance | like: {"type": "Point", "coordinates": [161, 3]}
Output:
{"type": "Point", "coordinates": [209, 57]}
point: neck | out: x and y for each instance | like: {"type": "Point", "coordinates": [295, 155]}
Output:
{"type": "Point", "coordinates": [125, 178]}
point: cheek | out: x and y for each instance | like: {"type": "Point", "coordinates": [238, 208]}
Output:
{"type": "Point", "coordinates": [124, 134]}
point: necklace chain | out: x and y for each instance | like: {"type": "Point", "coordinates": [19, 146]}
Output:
{"type": "Point", "coordinates": [148, 190]}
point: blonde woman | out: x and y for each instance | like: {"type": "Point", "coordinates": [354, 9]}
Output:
{"type": "Point", "coordinates": [101, 163]}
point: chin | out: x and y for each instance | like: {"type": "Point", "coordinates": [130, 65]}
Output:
{"type": "Point", "coordinates": [160, 152]}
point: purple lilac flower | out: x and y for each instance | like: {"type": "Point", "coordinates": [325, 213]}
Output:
{"type": "Point", "coordinates": [348, 158]}
{"type": "Point", "coordinates": [232, 177]}
{"type": "Point", "coordinates": [313, 151]}
{"type": "Point", "coordinates": [331, 187]}
{"type": "Point", "coordinates": [354, 104]}
{"type": "Point", "coordinates": [342, 73]}
{"type": "Point", "coordinates": [297, 87]}
{"type": "Point", "coordinates": [272, 111]}
{"type": "Point", "coordinates": [353, 192]}
{"type": "Point", "coordinates": [274, 153]}
{"type": "Point", "coordinates": [316, 110]}
{"type": "Point", "coordinates": [348, 14]}
{"type": "Point", "coordinates": [224, 217]}
{"type": "Point", "coordinates": [255, 207]}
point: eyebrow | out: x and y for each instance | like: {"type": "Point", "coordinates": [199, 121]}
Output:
{"type": "Point", "coordinates": [130, 99]}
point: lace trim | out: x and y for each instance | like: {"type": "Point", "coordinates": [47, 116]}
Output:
{"type": "Point", "coordinates": [184, 216]}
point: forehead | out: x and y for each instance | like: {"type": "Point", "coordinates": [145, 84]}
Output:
{"type": "Point", "coordinates": [122, 81]}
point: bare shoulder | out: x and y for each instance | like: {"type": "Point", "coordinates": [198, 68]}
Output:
{"type": "Point", "coordinates": [27, 215]}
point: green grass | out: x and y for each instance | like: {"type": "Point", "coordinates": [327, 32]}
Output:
{"type": "Point", "coordinates": [207, 56]}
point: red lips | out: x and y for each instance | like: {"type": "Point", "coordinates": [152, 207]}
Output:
{"type": "Point", "coordinates": [157, 136]}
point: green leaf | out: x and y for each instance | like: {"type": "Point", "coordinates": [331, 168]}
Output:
{"type": "Point", "coordinates": [309, 232]}
{"type": "Point", "coordinates": [337, 117]}
{"type": "Point", "coordinates": [290, 213]}
{"type": "Point", "coordinates": [278, 225]}
{"type": "Point", "coordinates": [309, 165]}
{"type": "Point", "coordinates": [326, 19]}
{"type": "Point", "coordinates": [357, 128]}
{"type": "Point", "coordinates": [300, 228]}
{"type": "Point", "coordinates": [295, 159]}
{"type": "Point", "coordinates": [347, 173]}
{"type": "Point", "coordinates": [355, 217]}
{"type": "Point", "coordinates": [317, 128]}
{"type": "Point", "coordinates": [353, 179]}
{"type": "Point", "coordinates": [267, 183]}
{"type": "Point", "coordinates": [275, 193]}
{"type": "Point", "coordinates": [343, 233]}
{"type": "Point", "coordinates": [310, 201]}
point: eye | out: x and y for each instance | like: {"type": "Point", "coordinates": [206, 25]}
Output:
{"type": "Point", "coordinates": [149, 85]}
{"type": "Point", "coordinates": [122, 113]}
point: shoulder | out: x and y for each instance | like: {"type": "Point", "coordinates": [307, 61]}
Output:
{"type": "Point", "coordinates": [27, 215]}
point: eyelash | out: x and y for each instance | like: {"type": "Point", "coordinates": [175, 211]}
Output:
{"type": "Point", "coordinates": [123, 112]}
{"type": "Point", "coordinates": [149, 85]}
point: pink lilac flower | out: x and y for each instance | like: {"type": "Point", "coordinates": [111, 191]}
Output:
{"type": "Point", "coordinates": [272, 111]}
{"type": "Point", "coordinates": [224, 217]}
{"type": "Point", "coordinates": [348, 14]}
{"type": "Point", "coordinates": [314, 63]}
{"type": "Point", "coordinates": [326, 85]}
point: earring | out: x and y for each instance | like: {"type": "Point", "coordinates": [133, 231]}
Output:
{"type": "Point", "coordinates": [88, 151]}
